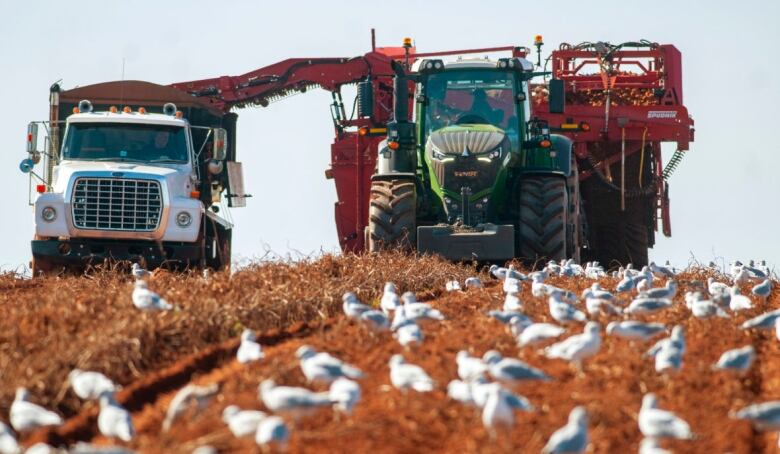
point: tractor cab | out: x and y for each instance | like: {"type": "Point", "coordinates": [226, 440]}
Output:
{"type": "Point", "coordinates": [470, 116]}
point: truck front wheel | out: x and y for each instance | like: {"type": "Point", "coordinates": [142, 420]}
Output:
{"type": "Point", "coordinates": [391, 216]}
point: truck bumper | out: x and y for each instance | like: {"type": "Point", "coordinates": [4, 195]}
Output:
{"type": "Point", "coordinates": [85, 251]}
{"type": "Point", "coordinates": [488, 242]}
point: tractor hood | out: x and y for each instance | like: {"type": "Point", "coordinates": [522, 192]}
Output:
{"type": "Point", "coordinates": [466, 139]}
{"type": "Point", "coordinates": [466, 160]}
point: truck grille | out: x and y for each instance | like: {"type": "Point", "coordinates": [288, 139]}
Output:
{"type": "Point", "coordinates": [116, 204]}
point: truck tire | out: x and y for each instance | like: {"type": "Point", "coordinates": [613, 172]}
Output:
{"type": "Point", "coordinates": [542, 218]}
{"type": "Point", "coordinates": [41, 267]}
{"type": "Point", "coordinates": [222, 254]}
{"type": "Point", "coordinates": [391, 216]}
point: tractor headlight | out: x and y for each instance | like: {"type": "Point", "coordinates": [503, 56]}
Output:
{"type": "Point", "coordinates": [183, 219]}
{"type": "Point", "coordinates": [436, 153]}
{"type": "Point", "coordinates": [49, 214]}
{"type": "Point", "coordinates": [495, 154]}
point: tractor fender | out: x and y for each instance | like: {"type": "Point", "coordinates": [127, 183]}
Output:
{"type": "Point", "coordinates": [563, 149]}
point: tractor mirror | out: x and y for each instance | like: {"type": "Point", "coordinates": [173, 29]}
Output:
{"type": "Point", "coordinates": [220, 144]}
{"type": "Point", "coordinates": [32, 137]}
{"type": "Point", "coordinates": [557, 98]}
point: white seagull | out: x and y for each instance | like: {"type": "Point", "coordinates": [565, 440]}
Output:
{"type": "Point", "coordinates": [25, 415]}
{"type": "Point", "coordinates": [578, 347]}
{"type": "Point", "coordinates": [630, 329]}
{"type": "Point", "coordinates": [657, 423]}
{"type": "Point", "coordinates": [470, 368]}
{"type": "Point", "coordinates": [272, 433]}
{"type": "Point", "coordinates": [510, 369]}
{"type": "Point", "coordinates": [147, 300]}
{"type": "Point", "coordinates": [242, 423]}
{"type": "Point", "coordinates": [249, 350]}
{"type": "Point", "coordinates": [536, 333]}
{"type": "Point", "coordinates": [571, 438]}
{"type": "Point", "coordinates": [390, 299]}
{"type": "Point", "coordinates": [189, 396]}
{"type": "Point", "coordinates": [345, 394]}
{"type": "Point", "coordinates": [90, 385]}
{"type": "Point", "coordinates": [404, 376]}
{"type": "Point", "coordinates": [322, 367]}
{"type": "Point", "coordinates": [564, 312]}
{"type": "Point", "coordinates": [8, 442]}
{"type": "Point", "coordinates": [292, 400]}
{"type": "Point", "coordinates": [114, 420]}
{"type": "Point", "coordinates": [739, 359]}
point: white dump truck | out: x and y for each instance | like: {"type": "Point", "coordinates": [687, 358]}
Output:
{"type": "Point", "coordinates": [132, 171]}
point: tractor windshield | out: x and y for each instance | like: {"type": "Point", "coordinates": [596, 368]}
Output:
{"type": "Point", "coordinates": [134, 142]}
{"type": "Point", "coordinates": [471, 97]}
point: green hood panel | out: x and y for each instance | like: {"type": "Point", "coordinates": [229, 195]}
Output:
{"type": "Point", "coordinates": [466, 139]}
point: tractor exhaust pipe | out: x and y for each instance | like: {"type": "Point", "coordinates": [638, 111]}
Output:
{"type": "Point", "coordinates": [401, 157]}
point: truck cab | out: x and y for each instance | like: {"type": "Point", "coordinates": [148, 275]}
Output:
{"type": "Point", "coordinates": [129, 185]}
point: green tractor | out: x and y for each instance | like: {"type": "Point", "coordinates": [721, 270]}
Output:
{"type": "Point", "coordinates": [475, 176]}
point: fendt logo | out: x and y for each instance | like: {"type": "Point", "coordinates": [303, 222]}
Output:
{"type": "Point", "coordinates": [467, 174]}
{"type": "Point", "coordinates": [662, 114]}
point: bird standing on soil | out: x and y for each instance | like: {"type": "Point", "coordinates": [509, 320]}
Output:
{"type": "Point", "coordinates": [738, 359]}
{"type": "Point", "coordinates": [512, 302]}
{"type": "Point", "coordinates": [375, 320]}
{"type": "Point", "coordinates": [352, 306]}
{"type": "Point", "coordinates": [452, 286]}
{"type": "Point", "coordinates": [90, 385]}
{"type": "Point", "coordinates": [473, 282]}
{"type": "Point", "coordinates": [667, 292]}
{"type": "Point", "coordinates": [138, 272]}
{"type": "Point", "coordinates": [657, 423]}
{"type": "Point", "coordinates": [578, 347]}
{"type": "Point", "coordinates": [249, 350]}
{"type": "Point", "coordinates": [470, 368]}
{"type": "Point", "coordinates": [406, 331]}
{"type": "Point", "coordinates": [499, 407]}
{"type": "Point", "coordinates": [764, 416]}
{"type": "Point", "coordinates": [404, 376]}
{"type": "Point", "coordinates": [292, 400]}
{"type": "Point", "coordinates": [536, 333]}
{"type": "Point", "coordinates": [738, 301]}
{"type": "Point", "coordinates": [189, 396]}
{"type": "Point", "coordinates": [651, 446]}
{"type": "Point", "coordinates": [8, 442]}
{"type": "Point", "coordinates": [147, 300]}
{"type": "Point", "coordinates": [763, 289]}
{"type": "Point", "coordinates": [114, 420]}
{"type": "Point", "coordinates": [272, 433]}
{"type": "Point", "coordinates": [345, 394]}
{"type": "Point", "coordinates": [644, 305]}
{"type": "Point", "coordinates": [390, 299]}
{"type": "Point", "coordinates": [763, 321]}
{"type": "Point", "coordinates": [631, 329]}
{"type": "Point", "coordinates": [322, 367]}
{"type": "Point", "coordinates": [564, 312]}
{"type": "Point", "coordinates": [510, 369]}
{"type": "Point", "coordinates": [571, 438]}
{"type": "Point", "coordinates": [668, 352]}
{"type": "Point", "coordinates": [25, 415]}
{"type": "Point", "coordinates": [242, 423]}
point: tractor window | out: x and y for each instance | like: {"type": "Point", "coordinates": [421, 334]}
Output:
{"type": "Point", "coordinates": [94, 141]}
{"type": "Point", "coordinates": [471, 97]}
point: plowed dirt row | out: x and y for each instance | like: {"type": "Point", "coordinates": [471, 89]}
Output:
{"type": "Point", "coordinates": [387, 420]}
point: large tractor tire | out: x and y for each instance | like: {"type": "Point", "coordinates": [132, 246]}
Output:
{"type": "Point", "coordinates": [391, 216]}
{"type": "Point", "coordinates": [620, 243]}
{"type": "Point", "coordinates": [542, 218]}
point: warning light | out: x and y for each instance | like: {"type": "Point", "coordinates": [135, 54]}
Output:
{"type": "Point", "coordinates": [363, 131]}
{"type": "Point", "coordinates": [407, 42]}
{"type": "Point", "coordinates": [179, 114]}
{"type": "Point", "coordinates": [141, 110]}
{"type": "Point", "coordinates": [112, 109]}
{"type": "Point", "coordinates": [127, 109]}
{"type": "Point", "coordinates": [538, 40]}
{"type": "Point", "coordinates": [76, 110]}
{"type": "Point", "coordinates": [585, 126]}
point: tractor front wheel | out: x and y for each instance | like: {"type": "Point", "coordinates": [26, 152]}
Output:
{"type": "Point", "coordinates": [391, 216]}
{"type": "Point", "coordinates": [542, 218]}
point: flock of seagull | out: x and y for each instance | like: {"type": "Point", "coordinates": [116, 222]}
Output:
{"type": "Point", "coordinates": [481, 381]}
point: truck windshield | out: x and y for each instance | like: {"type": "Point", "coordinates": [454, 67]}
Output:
{"type": "Point", "coordinates": [125, 142]}
{"type": "Point", "coordinates": [471, 97]}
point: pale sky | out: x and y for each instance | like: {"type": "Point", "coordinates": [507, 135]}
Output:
{"type": "Point", "coordinates": [723, 195]}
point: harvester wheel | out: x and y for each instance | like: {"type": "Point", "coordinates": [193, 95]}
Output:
{"type": "Point", "coordinates": [574, 229]}
{"type": "Point", "coordinates": [391, 215]}
{"type": "Point", "coordinates": [543, 206]}
{"type": "Point", "coordinates": [621, 243]}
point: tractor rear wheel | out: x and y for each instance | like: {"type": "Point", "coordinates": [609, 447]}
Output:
{"type": "Point", "coordinates": [620, 243]}
{"type": "Point", "coordinates": [542, 218]}
{"type": "Point", "coordinates": [391, 216]}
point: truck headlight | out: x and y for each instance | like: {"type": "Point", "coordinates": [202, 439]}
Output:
{"type": "Point", "coordinates": [183, 219]}
{"type": "Point", "coordinates": [49, 214]}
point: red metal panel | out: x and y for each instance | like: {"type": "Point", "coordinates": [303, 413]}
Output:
{"type": "Point", "coordinates": [353, 160]}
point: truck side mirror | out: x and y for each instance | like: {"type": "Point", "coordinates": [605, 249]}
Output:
{"type": "Point", "coordinates": [32, 137]}
{"type": "Point", "coordinates": [26, 165]}
{"type": "Point", "coordinates": [557, 97]}
{"type": "Point", "coordinates": [220, 144]}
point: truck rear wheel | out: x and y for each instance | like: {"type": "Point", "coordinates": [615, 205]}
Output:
{"type": "Point", "coordinates": [543, 205]}
{"type": "Point", "coordinates": [391, 216]}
